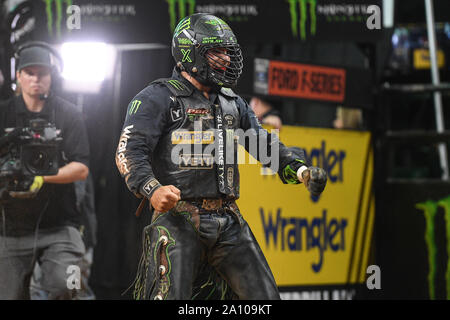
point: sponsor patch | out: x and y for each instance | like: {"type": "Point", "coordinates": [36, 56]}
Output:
{"type": "Point", "coordinates": [196, 161]}
{"type": "Point", "coordinates": [229, 119]}
{"type": "Point", "coordinates": [230, 176]}
{"type": "Point", "coordinates": [176, 114]}
{"type": "Point", "coordinates": [192, 137]}
{"type": "Point", "coordinates": [201, 111]}
{"type": "Point", "coordinates": [134, 107]}
{"type": "Point", "coordinates": [148, 187]}
{"type": "Point", "coordinates": [121, 159]}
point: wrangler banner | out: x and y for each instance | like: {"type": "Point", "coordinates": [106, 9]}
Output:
{"type": "Point", "coordinates": [312, 241]}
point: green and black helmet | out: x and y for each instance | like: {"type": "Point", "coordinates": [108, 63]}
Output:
{"type": "Point", "coordinates": [205, 46]}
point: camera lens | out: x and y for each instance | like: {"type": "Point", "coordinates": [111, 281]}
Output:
{"type": "Point", "coordinates": [39, 161]}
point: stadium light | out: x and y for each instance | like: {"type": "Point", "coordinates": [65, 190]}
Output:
{"type": "Point", "coordinates": [86, 65]}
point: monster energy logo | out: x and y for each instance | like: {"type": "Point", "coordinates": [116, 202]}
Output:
{"type": "Point", "coordinates": [176, 84]}
{"type": "Point", "coordinates": [134, 106]}
{"type": "Point", "coordinates": [429, 209]}
{"type": "Point", "coordinates": [181, 11]}
{"type": "Point", "coordinates": [297, 23]}
{"type": "Point", "coordinates": [59, 14]}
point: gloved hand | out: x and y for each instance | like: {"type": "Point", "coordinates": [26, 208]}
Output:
{"type": "Point", "coordinates": [33, 189]}
{"type": "Point", "coordinates": [315, 180]}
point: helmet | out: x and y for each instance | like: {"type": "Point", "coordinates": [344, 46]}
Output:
{"type": "Point", "coordinates": [204, 46]}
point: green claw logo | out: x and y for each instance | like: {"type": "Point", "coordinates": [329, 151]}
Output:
{"type": "Point", "coordinates": [182, 4]}
{"type": "Point", "coordinates": [297, 23]}
{"type": "Point", "coordinates": [429, 209]}
{"type": "Point", "coordinates": [176, 84]}
{"type": "Point", "coordinates": [59, 14]}
{"type": "Point", "coordinates": [135, 104]}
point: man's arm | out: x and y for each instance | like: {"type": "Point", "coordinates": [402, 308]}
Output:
{"type": "Point", "coordinates": [75, 146]}
{"type": "Point", "coordinates": [292, 167]}
{"type": "Point", "coordinates": [143, 126]}
{"type": "Point", "coordinates": [71, 172]}
{"type": "Point", "coordinates": [145, 122]}
{"type": "Point", "coordinates": [289, 162]}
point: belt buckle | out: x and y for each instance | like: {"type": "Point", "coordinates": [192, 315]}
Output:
{"type": "Point", "coordinates": [212, 204]}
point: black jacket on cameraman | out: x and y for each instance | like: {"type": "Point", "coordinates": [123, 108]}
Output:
{"type": "Point", "coordinates": [162, 116]}
{"type": "Point", "coordinates": [55, 204]}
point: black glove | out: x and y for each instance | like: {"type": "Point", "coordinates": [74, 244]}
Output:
{"type": "Point", "coordinates": [315, 180]}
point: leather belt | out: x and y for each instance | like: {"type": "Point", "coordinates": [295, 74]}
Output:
{"type": "Point", "coordinates": [212, 204]}
{"type": "Point", "coordinates": [209, 204]}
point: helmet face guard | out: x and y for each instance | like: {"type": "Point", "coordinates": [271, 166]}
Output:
{"type": "Point", "coordinates": [224, 63]}
{"type": "Point", "coordinates": [205, 47]}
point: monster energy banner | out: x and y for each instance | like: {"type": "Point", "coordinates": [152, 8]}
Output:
{"type": "Point", "coordinates": [252, 20]}
{"type": "Point", "coordinates": [413, 242]}
{"type": "Point", "coordinates": [286, 20]}
{"type": "Point", "coordinates": [112, 21]}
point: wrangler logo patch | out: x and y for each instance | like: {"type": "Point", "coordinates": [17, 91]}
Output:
{"type": "Point", "coordinates": [192, 137]}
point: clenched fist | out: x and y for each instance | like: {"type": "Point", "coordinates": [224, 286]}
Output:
{"type": "Point", "coordinates": [165, 198]}
{"type": "Point", "coordinates": [315, 180]}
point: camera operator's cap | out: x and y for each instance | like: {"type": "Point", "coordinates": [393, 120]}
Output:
{"type": "Point", "coordinates": [34, 56]}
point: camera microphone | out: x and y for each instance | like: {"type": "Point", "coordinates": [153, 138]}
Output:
{"type": "Point", "coordinates": [43, 96]}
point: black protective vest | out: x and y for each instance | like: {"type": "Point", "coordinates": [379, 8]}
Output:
{"type": "Point", "coordinates": [193, 156]}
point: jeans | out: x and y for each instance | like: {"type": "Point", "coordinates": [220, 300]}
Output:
{"type": "Point", "coordinates": [54, 250]}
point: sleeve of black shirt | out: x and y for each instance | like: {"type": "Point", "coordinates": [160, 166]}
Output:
{"type": "Point", "coordinates": [75, 142]}
{"type": "Point", "coordinates": [289, 162]}
{"type": "Point", "coordinates": [144, 124]}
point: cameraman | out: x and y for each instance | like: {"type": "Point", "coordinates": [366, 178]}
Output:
{"type": "Point", "coordinates": [45, 227]}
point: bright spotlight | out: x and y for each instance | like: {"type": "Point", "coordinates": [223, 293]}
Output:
{"type": "Point", "coordinates": [86, 65]}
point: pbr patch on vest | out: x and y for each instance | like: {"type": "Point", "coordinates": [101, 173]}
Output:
{"type": "Point", "coordinates": [199, 114]}
{"type": "Point", "coordinates": [200, 111]}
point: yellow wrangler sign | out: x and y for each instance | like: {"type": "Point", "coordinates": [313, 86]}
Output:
{"type": "Point", "coordinates": [309, 241]}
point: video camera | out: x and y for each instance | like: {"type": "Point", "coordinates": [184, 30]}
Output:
{"type": "Point", "coordinates": [28, 152]}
